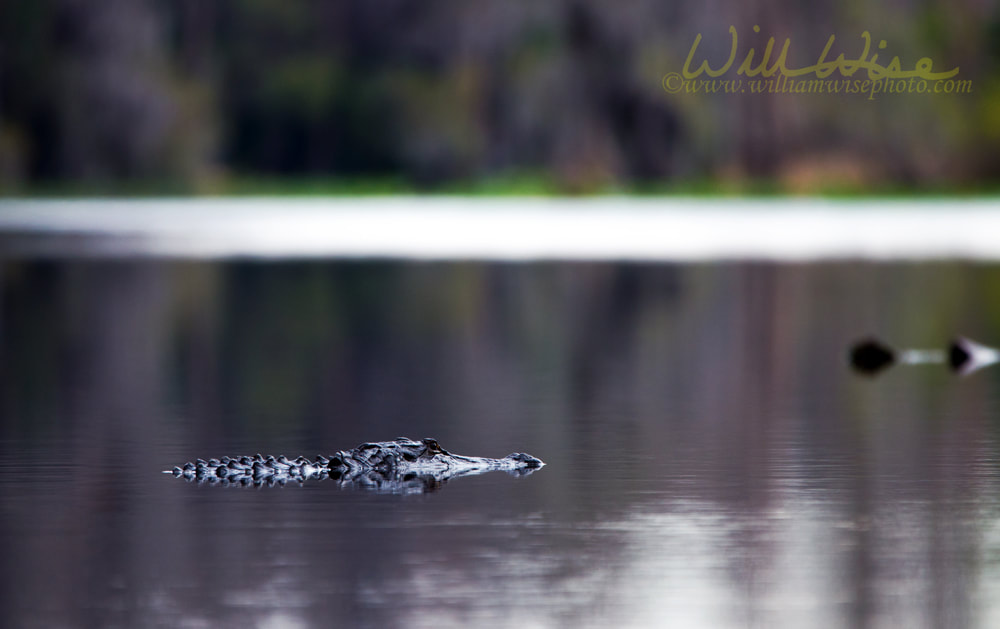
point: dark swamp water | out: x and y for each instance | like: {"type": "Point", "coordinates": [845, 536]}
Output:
{"type": "Point", "coordinates": [711, 461]}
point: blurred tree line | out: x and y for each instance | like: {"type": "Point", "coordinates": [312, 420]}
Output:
{"type": "Point", "coordinates": [197, 93]}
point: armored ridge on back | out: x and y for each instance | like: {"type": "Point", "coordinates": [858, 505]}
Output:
{"type": "Point", "coordinates": [403, 465]}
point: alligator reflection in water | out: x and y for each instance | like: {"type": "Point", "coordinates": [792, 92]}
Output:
{"type": "Point", "coordinates": [400, 466]}
{"type": "Point", "coordinates": [962, 355]}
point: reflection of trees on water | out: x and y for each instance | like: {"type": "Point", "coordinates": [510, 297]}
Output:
{"type": "Point", "coordinates": [717, 388]}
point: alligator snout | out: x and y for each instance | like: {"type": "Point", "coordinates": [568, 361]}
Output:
{"type": "Point", "coordinates": [525, 460]}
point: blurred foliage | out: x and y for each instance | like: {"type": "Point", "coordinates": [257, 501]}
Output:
{"type": "Point", "coordinates": [499, 96]}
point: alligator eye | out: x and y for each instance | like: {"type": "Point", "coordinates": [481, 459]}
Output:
{"type": "Point", "coordinates": [432, 445]}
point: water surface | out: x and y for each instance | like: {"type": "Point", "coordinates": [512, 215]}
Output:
{"type": "Point", "coordinates": [711, 460]}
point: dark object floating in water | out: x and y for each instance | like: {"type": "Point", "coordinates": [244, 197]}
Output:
{"type": "Point", "coordinates": [958, 355]}
{"type": "Point", "coordinates": [400, 466]}
{"type": "Point", "coordinates": [963, 356]}
{"type": "Point", "coordinates": [966, 356]}
{"type": "Point", "coordinates": [870, 356]}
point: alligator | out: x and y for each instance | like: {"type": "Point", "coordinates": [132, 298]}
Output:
{"type": "Point", "coordinates": [399, 466]}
